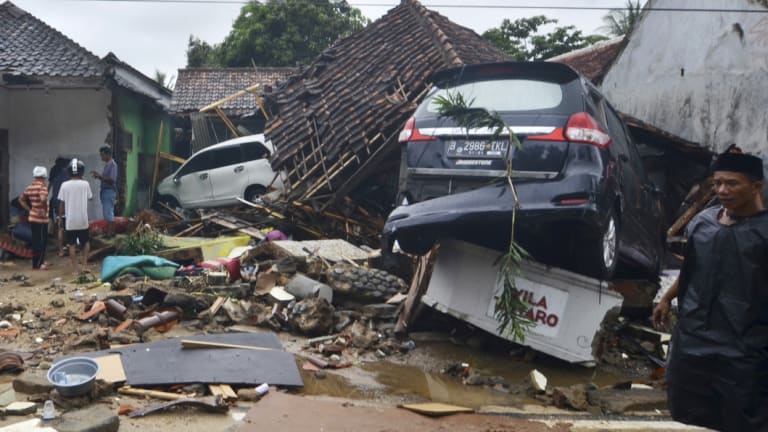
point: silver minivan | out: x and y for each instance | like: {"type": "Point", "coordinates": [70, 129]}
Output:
{"type": "Point", "coordinates": [219, 174]}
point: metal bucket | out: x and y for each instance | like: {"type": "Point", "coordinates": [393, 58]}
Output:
{"type": "Point", "coordinates": [73, 376]}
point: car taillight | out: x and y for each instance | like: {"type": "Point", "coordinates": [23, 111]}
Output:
{"type": "Point", "coordinates": [411, 133]}
{"type": "Point", "coordinates": [583, 128]}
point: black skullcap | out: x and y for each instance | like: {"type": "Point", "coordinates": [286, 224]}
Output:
{"type": "Point", "coordinates": [739, 162]}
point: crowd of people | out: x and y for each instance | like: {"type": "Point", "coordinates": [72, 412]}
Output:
{"type": "Point", "coordinates": [59, 203]}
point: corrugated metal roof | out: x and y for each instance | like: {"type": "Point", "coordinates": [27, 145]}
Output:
{"type": "Point", "coordinates": [198, 87]}
{"type": "Point", "coordinates": [32, 48]}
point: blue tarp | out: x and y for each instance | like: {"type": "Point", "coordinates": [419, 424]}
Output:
{"type": "Point", "coordinates": [113, 266]}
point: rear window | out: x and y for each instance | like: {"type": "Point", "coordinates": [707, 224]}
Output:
{"type": "Point", "coordinates": [504, 95]}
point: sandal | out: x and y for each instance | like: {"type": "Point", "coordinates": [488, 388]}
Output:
{"type": "Point", "coordinates": [42, 267]}
{"type": "Point", "coordinates": [62, 252]}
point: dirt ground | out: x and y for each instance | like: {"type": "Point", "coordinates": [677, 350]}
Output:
{"type": "Point", "coordinates": [43, 306]}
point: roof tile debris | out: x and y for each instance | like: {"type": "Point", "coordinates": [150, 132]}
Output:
{"type": "Point", "coordinates": [32, 48]}
{"type": "Point", "coordinates": [342, 114]}
{"type": "Point", "coordinates": [593, 61]}
{"type": "Point", "coordinates": [199, 87]}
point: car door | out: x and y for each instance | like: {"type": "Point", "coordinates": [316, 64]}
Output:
{"type": "Point", "coordinates": [193, 182]}
{"type": "Point", "coordinates": [257, 163]}
{"type": "Point", "coordinates": [630, 182]}
{"type": "Point", "coordinates": [228, 175]}
{"type": "Point", "coordinates": [650, 211]}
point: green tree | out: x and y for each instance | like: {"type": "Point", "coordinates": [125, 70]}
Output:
{"type": "Point", "coordinates": [522, 40]}
{"type": "Point", "coordinates": [619, 22]}
{"type": "Point", "coordinates": [163, 79]}
{"type": "Point", "coordinates": [279, 33]}
{"type": "Point", "coordinates": [200, 53]}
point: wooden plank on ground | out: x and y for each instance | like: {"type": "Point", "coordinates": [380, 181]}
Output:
{"type": "Point", "coordinates": [191, 344]}
{"type": "Point", "coordinates": [436, 409]}
{"type": "Point", "coordinates": [239, 225]}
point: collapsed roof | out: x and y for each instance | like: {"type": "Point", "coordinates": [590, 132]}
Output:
{"type": "Point", "coordinates": [199, 87]}
{"type": "Point", "coordinates": [340, 117]}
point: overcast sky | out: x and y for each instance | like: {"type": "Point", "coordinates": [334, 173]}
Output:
{"type": "Point", "coordinates": [153, 35]}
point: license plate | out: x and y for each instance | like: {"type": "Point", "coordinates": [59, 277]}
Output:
{"type": "Point", "coordinates": [491, 149]}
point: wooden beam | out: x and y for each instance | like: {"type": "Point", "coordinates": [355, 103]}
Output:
{"type": "Point", "coordinates": [226, 99]}
{"type": "Point", "coordinates": [171, 157]}
{"type": "Point", "coordinates": [227, 122]}
{"type": "Point", "coordinates": [157, 163]}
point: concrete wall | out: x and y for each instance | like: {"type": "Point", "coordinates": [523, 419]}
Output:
{"type": "Point", "coordinates": [141, 118]}
{"type": "Point", "coordinates": [3, 108]}
{"type": "Point", "coordinates": [698, 75]}
{"type": "Point", "coordinates": [45, 124]}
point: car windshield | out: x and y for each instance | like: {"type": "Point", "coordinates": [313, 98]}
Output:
{"type": "Point", "coordinates": [504, 95]}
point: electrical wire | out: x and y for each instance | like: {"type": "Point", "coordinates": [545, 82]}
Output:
{"type": "Point", "coordinates": [457, 6]}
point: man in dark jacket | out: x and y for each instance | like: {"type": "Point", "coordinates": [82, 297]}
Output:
{"type": "Point", "coordinates": [718, 363]}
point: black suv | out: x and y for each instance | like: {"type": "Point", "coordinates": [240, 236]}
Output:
{"type": "Point", "coordinates": [585, 199]}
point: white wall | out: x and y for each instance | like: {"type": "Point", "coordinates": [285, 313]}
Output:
{"type": "Point", "coordinates": [721, 97]}
{"type": "Point", "coordinates": [45, 124]}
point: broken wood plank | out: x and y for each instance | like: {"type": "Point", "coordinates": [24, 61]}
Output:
{"type": "Point", "coordinates": [240, 227]}
{"type": "Point", "coordinates": [419, 285]}
{"type": "Point", "coordinates": [433, 409]}
{"type": "Point", "coordinates": [189, 230]}
{"type": "Point", "coordinates": [211, 311]}
{"type": "Point", "coordinates": [171, 157]}
{"type": "Point", "coordinates": [223, 390]}
{"type": "Point", "coordinates": [128, 390]}
{"type": "Point", "coordinates": [156, 168]}
{"type": "Point", "coordinates": [192, 344]}
{"type": "Point", "coordinates": [176, 215]}
{"type": "Point", "coordinates": [692, 211]}
{"type": "Point", "coordinates": [208, 403]}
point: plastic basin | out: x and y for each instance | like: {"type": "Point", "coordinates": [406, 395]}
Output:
{"type": "Point", "coordinates": [73, 376]}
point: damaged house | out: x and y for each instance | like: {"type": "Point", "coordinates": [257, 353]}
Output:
{"type": "Point", "coordinates": [57, 99]}
{"type": "Point", "coordinates": [335, 125]}
{"type": "Point", "coordinates": [707, 84]}
{"type": "Point", "coordinates": [222, 93]}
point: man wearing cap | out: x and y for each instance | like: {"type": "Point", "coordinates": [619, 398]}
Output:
{"type": "Point", "coordinates": [718, 362]}
{"type": "Point", "coordinates": [73, 202]}
{"type": "Point", "coordinates": [34, 200]}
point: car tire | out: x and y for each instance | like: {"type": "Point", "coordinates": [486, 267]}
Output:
{"type": "Point", "coordinates": [604, 253]}
{"type": "Point", "coordinates": [254, 192]}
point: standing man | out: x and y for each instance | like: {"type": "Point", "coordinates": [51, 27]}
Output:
{"type": "Point", "coordinates": [73, 202]}
{"type": "Point", "coordinates": [58, 175]}
{"type": "Point", "coordinates": [108, 188]}
{"type": "Point", "coordinates": [34, 200]}
{"type": "Point", "coordinates": [718, 362]}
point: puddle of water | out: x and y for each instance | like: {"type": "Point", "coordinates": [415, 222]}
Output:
{"type": "Point", "coordinates": [420, 379]}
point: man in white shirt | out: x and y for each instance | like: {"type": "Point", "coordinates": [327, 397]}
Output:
{"type": "Point", "coordinates": [73, 202]}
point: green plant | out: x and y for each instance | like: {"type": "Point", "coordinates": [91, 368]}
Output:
{"type": "Point", "coordinates": [509, 307]}
{"type": "Point", "coordinates": [143, 241]}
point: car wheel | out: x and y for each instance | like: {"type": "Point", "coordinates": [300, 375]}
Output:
{"type": "Point", "coordinates": [603, 255]}
{"type": "Point", "coordinates": [254, 193]}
